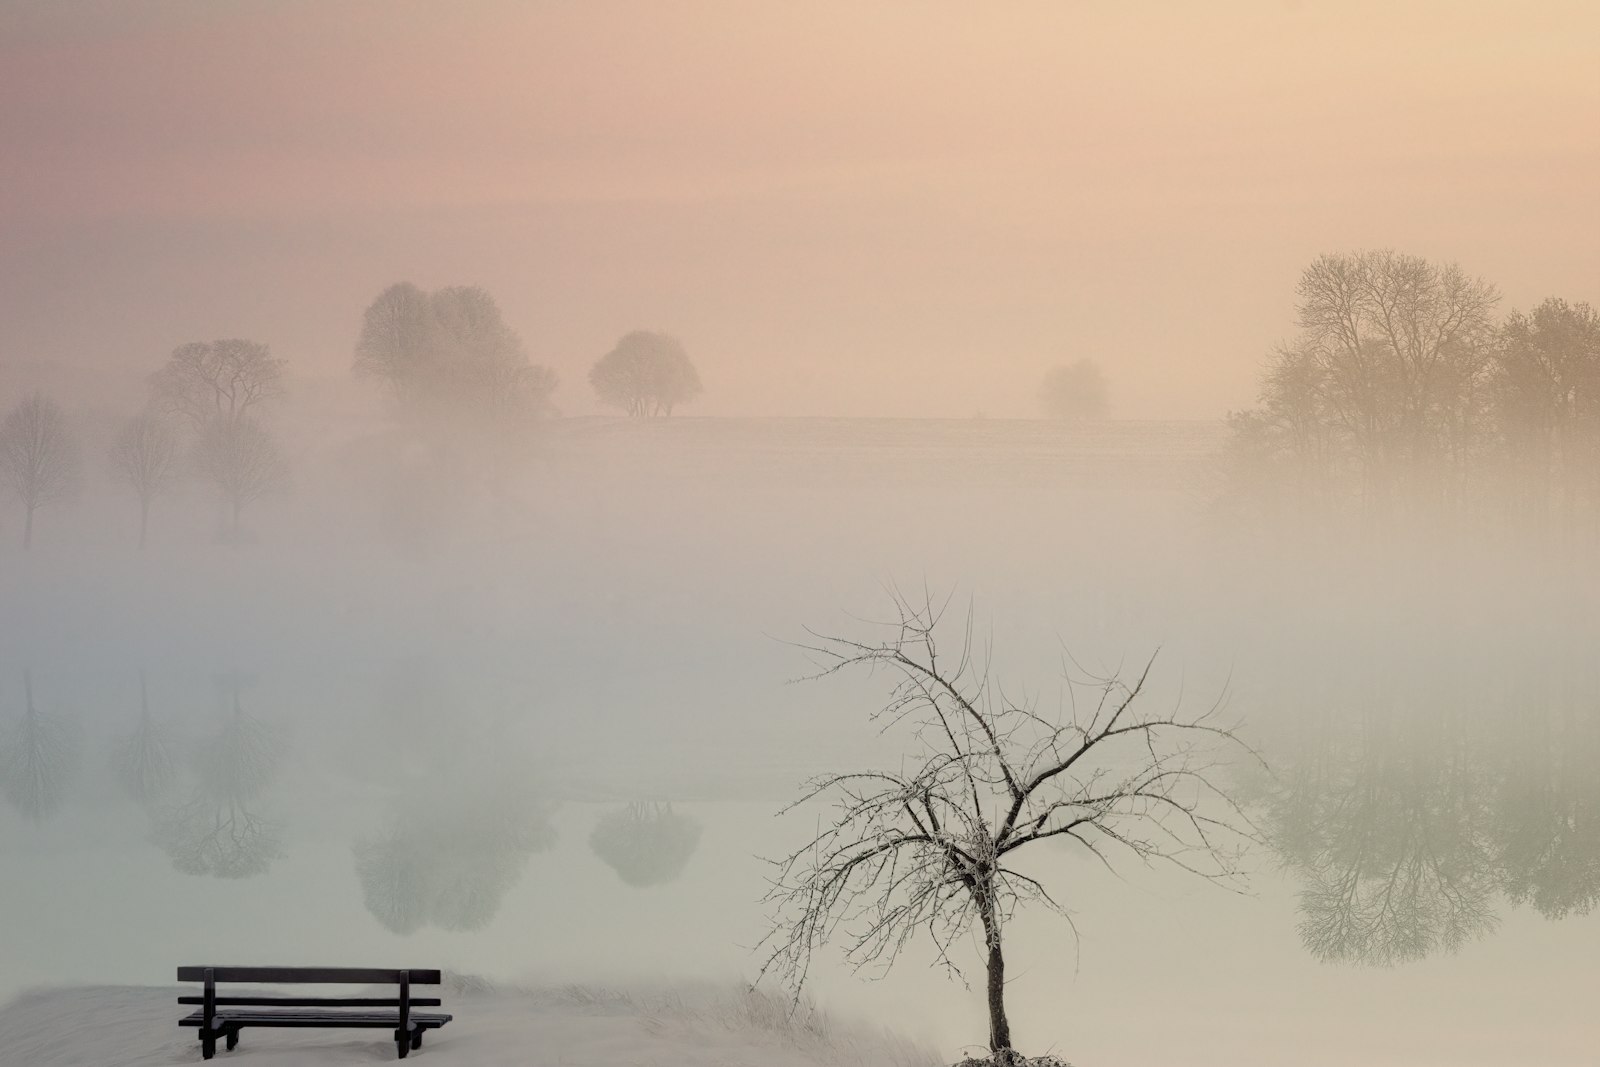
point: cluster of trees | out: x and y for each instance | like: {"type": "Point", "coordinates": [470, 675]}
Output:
{"type": "Point", "coordinates": [201, 419]}
{"type": "Point", "coordinates": [1403, 392]}
{"type": "Point", "coordinates": [447, 358]}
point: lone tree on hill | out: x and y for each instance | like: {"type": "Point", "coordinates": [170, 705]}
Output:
{"type": "Point", "coordinates": [936, 845]}
{"type": "Point", "coordinates": [38, 457]}
{"type": "Point", "coordinates": [208, 380]}
{"type": "Point", "coordinates": [1074, 391]}
{"type": "Point", "coordinates": [646, 375]}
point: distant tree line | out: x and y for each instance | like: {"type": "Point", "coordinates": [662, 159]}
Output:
{"type": "Point", "coordinates": [1402, 395]}
{"type": "Point", "coordinates": [454, 368]}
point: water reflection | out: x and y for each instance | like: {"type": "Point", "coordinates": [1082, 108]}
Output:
{"type": "Point", "coordinates": [646, 844]}
{"type": "Point", "coordinates": [38, 756]}
{"type": "Point", "coordinates": [219, 831]}
{"type": "Point", "coordinates": [450, 850]}
{"type": "Point", "coordinates": [144, 761]}
{"type": "Point", "coordinates": [1412, 817]}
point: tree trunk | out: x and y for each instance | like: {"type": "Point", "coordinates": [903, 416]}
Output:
{"type": "Point", "coordinates": [999, 1025]}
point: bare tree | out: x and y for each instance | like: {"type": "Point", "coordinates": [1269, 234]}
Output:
{"type": "Point", "coordinates": [204, 381]}
{"type": "Point", "coordinates": [38, 457]}
{"type": "Point", "coordinates": [145, 457]}
{"type": "Point", "coordinates": [242, 462]}
{"type": "Point", "coordinates": [646, 375]}
{"type": "Point", "coordinates": [1074, 391]}
{"type": "Point", "coordinates": [936, 846]}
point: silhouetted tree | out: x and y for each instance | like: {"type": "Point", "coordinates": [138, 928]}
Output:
{"type": "Point", "coordinates": [934, 846]}
{"type": "Point", "coordinates": [646, 375]}
{"type": "Point", "coordinates": [38, 457]}
{"type": "Point", "coordinates": [646, 844]}
{"type": "Point", "coordinates": [207, 381]}
{"type": "Point", "coordinates": [37, 759]}
{"type": "Point", "coordinates": [242, 462]}
{"type": "Point", "coordinates": [449, 354]}
{"type": "Point", "coordinates": [145, 458]}
{"type": "Point", "coordinates": [1074, 391]}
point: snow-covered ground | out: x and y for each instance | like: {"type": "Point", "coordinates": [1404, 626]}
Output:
{"type": "Point", "coordinates": [132, 1026]}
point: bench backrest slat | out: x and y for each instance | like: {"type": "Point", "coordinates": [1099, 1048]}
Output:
{"type": "Point", "coordinates": [314, 1002]}
{"type": "Point", "coordinates": [307, 975]}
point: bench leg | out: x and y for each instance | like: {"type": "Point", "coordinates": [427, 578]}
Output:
{"type": "Point", "coordinates": [416, 1038]}
{"type": "Point", "coordinates": [402, 1043]}
{"type": "Point", "coordinates": [233, 1038]}
{"type": "Point", "coordinates": [208, 1044]}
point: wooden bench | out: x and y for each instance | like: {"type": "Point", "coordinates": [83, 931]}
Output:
{"type": "Point", "coordinates": [224, 1017]}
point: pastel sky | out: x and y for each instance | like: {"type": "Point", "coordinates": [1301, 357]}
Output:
{"type": "Point", "coordinates": [856, 208]}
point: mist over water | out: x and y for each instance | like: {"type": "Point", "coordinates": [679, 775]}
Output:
{"type": "Point", "coordinates": [541, 732]}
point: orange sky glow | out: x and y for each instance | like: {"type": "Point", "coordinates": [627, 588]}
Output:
{"type": "Point", "coordinates": [841, 208]}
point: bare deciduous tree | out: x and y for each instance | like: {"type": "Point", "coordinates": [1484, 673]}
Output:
{"type": "Point", "coordinates": [145, 457]}
{"type": "Point", "coordinates": [646, 375]}
{"type": "Point", "coordinates": [242, 462]}
{"type": "Point", "coordinates": [204, 381]}
{"type": "Point", "coordinates": [935, 846]}
{"type": "Point", "coordinates": [38, 457]}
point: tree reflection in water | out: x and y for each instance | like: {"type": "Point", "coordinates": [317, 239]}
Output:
{"type": "Point", "coordinates": [451, 851]}
{"type": "Point", "coordinates": [646, 844]}
{"type": "Point", "coordinates": [219, 831]}
{"type": "Point", "coordinates": [1414, 811]}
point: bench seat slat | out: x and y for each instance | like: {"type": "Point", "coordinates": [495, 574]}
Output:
{"type": "Point", "coordinates": [319, 1002]}
{"type": "Point", "coordinates": [387, 1019]}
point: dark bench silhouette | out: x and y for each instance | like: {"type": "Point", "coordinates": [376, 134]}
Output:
{"type": "Point", "coordinates": [224, 1017]}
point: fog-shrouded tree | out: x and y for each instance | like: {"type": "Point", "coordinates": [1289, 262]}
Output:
{"type": "Point", "coordinates": [145, 457]}
{"type": "Point", "coordinates": [646, 375]}
{"type": "Point", "coordinates": [1546, 383]}
{"type": "Point", "coordinates": [1384, 395]}
{"type": "Point", "coordinates": [206, 381]}
{"type": "Point", "coordinates": [242, 462]}
{"type": "Point", "coordinates": [1075, 391]}
{"type": "Point", "coordinates": [144, 760]}
{"type": "Point", "coordinates": [39, 459]}
{"type": "Point", "coordinates": [939, 844]}
{"type": "Point", "coordinates": [647, 844]}
{"type": "Point", "coordinates": [450, 355]}
{"type": "Point", "coordinates": [37, 758]}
